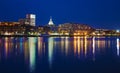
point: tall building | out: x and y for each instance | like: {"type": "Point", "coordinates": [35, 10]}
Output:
{"type": "Point", "coordinates": [31, 19]}
{"type": "Point", "coordinates": [51, 22]}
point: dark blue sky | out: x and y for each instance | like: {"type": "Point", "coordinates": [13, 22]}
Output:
{"type": "Point", "coordinates": [97, 13]}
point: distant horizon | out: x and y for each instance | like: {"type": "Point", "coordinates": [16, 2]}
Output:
{"type": "Point", "coordinates": [96, 13]}
{"type": "Point", "coordinates": [98, 27]}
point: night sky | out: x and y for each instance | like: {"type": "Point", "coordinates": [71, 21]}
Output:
{"type": "Point", "coordinates": [96, 13]}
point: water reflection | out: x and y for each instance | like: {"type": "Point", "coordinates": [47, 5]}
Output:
{"type": "Point", "coordinates": [66, 44]}
{"type": "Point", "coordinates": [50, 50]}
{"type": "Point", "coordinates": [6, 46]}
{"type": "Point", "coordinates": [93, 48]}
{"type": "Point", "coordinates": [32, 48]}
{"type": "Point", "coordinates": [80, 46]}
{"type": "Point", "coordinates": [21, 45]}
{"type": "Point", "coordinates": [62, 44]}
{"type": "Point", "coordinates": [118, 46]}
{"type": "Point", "coordinates": [85, 45]}
{"type": "Point", "coordinates": [26, 50]}
{"type": "Point", "coordinates": [32, 52]}
{"type": "Point", "coordinates": [40, 45]}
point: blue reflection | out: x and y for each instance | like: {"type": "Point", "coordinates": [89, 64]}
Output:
{"type": "Point", "coordinates": [32, 52]}
{"type": "Point", "coordinates": [21, 45]}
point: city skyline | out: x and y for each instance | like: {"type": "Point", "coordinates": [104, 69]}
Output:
{"type": "Point", "coordinates": [99, 14]}
{"type": "Point", "coordinates": [59, 36]}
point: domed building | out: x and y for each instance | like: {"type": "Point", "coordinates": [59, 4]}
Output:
{"type": "Point", "coordinates": [74, 29]}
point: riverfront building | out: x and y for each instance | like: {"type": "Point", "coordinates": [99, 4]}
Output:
{"type": "Point", "coordinates": [74, 29]}
{"type": "Point", "coordinates": [27, 26]}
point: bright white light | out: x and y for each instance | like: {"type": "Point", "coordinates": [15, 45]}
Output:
{"type": "Point", "coordinates": [32, 16]}
{"type": "Point", "coordinates": [118, 46]}
{"type": "Point", "coordinates": [117, 31]}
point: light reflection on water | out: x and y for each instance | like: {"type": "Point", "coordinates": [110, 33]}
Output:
{"type": "Point", "coordinates": [93, 46]}
{"type": "Point", "coordinates": [118, 46]}
{"type": "Point", "coordinates": [50, 49]}
{"type": "Point", "coordinates": [32, 52]}
{"type": "Point", "coordinates": [34, 47]}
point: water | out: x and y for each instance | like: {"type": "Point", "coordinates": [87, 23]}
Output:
{"type": "Point", "coordinates": [60, 55]}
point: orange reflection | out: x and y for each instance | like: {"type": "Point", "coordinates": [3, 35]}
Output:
{"type": "Point", "coordinates": [26, 50]}
{"type": "Point", "coordinates": [40, 42]}
{"type": "Point", "coordinates": [75, 45]}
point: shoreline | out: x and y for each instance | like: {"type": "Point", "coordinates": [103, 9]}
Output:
{"type": "Point", "coordinates": [59, 35]}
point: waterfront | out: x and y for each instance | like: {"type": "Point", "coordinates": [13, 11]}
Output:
{"type": "Point", "coordinates": [59, 54]}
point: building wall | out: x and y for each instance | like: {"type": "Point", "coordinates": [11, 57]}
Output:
{"type": "Point", "coordinates": [31, 19]}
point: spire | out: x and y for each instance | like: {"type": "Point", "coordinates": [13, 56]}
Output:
{"type": "Point", "coordinates": [50, 22]}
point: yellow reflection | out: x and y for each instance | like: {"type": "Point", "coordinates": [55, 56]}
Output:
{"type": "Point", "coordinates": [6, 46]}
{"type": "Point", "coordinates": [78, 44]}
{"type": "Point", "coordinates": [32, 52]}
{"type": "Point", "coordinates": [118, 46]}
{"type": "Point", "coordinates": [50, 50]}
{"type": "Point", "coordinates": [98, 43]}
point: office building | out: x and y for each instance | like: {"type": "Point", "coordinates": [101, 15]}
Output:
{"type": "Point", "coordinates": [31, 18]}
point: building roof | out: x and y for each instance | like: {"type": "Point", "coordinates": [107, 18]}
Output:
{"type": "Point", "coordinates": [51, 21]}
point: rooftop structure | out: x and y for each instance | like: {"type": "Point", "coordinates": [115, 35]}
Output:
{"type": "Point", "coordinates": [51, 22]}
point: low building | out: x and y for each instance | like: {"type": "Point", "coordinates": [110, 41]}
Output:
{"type": "Point", "coordinates": [9, 23]}
{"type": "Point", "coordinates": [74, 29]}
